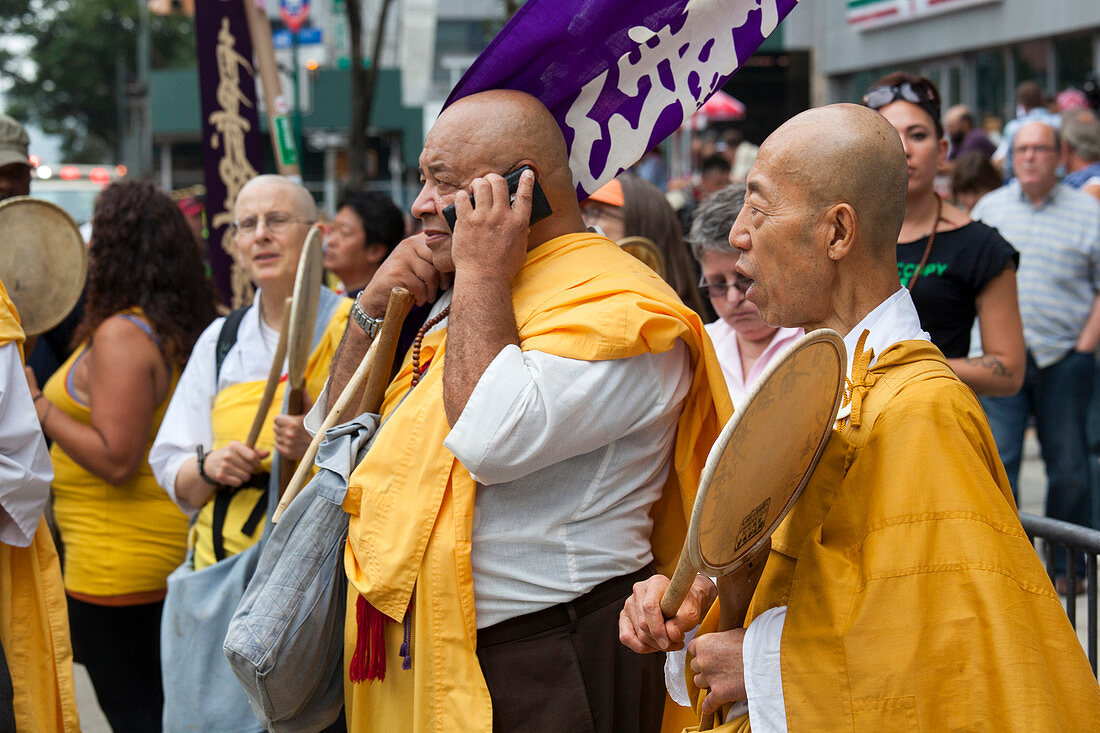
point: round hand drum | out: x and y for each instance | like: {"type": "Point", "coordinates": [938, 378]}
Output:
{"type": "Point", "coordinates": [303, 308]}
{"type": "Point", "coordinates": [762, 460]}
{"type": "Point", "coordinates": [43, 262]}
{"type": "Point", "coordinates": [303, 315]}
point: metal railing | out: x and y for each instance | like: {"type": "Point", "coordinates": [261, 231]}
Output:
{"type": "Point", "coordinates": [1073, 539]}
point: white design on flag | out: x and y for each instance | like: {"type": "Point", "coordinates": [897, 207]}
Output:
{"type": "Point", "coordinates": [706, 31]}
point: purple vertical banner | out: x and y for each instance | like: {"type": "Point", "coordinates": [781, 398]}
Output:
{"type": "Point", "coordinates": [232, 150]}
{"type": "Point", "coordinates": [621, 75]}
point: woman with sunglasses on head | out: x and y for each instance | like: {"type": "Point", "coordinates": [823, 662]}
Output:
{"type": "Point", "coordinates": [743, 343]}
{"type": "Point", "coordinates": [955, 268]}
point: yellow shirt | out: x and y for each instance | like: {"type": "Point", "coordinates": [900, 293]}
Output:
{"type": "Point", "coordinates": [914, 599]}
{"type": "Point", "coordinates": [411, 503]}
{"type": "Point", "coordinates": [119, 540]}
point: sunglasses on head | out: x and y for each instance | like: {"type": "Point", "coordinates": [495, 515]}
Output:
{"type": "Point", "coordinates": [878, 97]}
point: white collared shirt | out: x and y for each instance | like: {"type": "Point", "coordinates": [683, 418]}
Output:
{"type": "Point", "coordinates": [892, 321]}
{"type": "Point", "coordinates": [568, 456]}
{"type": "Point", "coordinates": [25, 467]}
{"type": "Point", "coordinates": [186, 422]}
{"type": "Point", "coordinates": [728, 351]}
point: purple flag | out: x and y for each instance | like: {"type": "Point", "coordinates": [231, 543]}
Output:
{"type": "Point", "coordinates": [621, 75]}
{"type": "Point", "coordinates": [232, 149]}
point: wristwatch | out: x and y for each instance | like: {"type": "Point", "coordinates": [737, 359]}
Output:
{"type": "Point", "coordinates": [370, 326]}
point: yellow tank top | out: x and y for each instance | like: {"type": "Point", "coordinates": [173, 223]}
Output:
{"type": "Point", "coordinates": [240, 514]}
{"type": "Point", "coordinates": [119, 540]}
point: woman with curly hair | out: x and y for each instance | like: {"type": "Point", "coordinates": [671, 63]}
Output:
{"type": "Point", "coordinates": [148, 299]}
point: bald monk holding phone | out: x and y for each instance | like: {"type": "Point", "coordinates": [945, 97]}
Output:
{"type": "Point", "coordinates": [901, 592]}
{"type": "Point", "coordinates": [540, 447]}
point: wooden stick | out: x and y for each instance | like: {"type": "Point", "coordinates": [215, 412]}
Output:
{"type": "Point", "coordinates": [679, 585]}
{"type": "Point", "coordinates": [303, 317]}
{"type": "Point", "coordinates": [379, 378]}
{"type": "Point", "coordinates": [396, 310]}
{"type": "Point", "coordinates": [273, 377]}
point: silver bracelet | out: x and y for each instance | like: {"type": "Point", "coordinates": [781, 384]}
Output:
{"type": "Point", "coordinates": [370, 326]}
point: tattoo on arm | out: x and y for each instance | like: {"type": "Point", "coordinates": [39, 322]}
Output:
{"type": "Point", "coordinates": [995, 366]}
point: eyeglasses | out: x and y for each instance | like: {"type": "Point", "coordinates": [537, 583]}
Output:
{"type": "Point", "coordinates": [719, 290]}
{"type": "Point", "coordinates": [593, 215]}
{"type": "Point", "coordinates": [275, 223]}
{"type": "Point", "coordinates": [878, 97]}
{"type": "Point", "coordinates": [1037, 149]}
{"type": "Point", "coordinates": [347, 231]}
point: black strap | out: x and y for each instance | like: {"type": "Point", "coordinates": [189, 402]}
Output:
{"type": "Point", "coordinates": [227, 337]}
{"type": "Point", "coordinates": [221, 508]}
{"type": "Point", "coordinates": [223, 498]}
{"type": "Point", "coordinates": [259, 511]}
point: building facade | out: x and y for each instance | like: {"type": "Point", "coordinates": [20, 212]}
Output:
{"type": "Point", "coordinates": [976, 51]}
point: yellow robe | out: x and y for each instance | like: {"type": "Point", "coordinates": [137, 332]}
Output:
{"type": "Point", "coordinates": [34, 619]}
{"type": "Point", "coordinates": [411, 502]}
{"type": "Point", "coordinates": [914, 599]}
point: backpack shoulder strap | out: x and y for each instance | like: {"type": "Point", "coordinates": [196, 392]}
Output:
{"type": "Point", "coordinates": [227, 337]}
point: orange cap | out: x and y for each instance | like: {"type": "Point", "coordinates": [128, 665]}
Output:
{"type": "Point", "coordinates": [610, 193]}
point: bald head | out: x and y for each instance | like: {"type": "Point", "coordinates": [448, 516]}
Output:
{"type": "Point", "coordinates": [958, 120]}
{"type": "Point", "coordinates": [823, 207]}
{"type": "Point", "coordinates": [498, 130]}
{"type": "Point", "coordinates": [302, 201]}
{"type": "Point", "coordinates": [846, 153]}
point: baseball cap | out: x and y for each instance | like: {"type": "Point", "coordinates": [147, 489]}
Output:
{"type": "Point", "coordinates": [13, 142]}
{"type": "Point", "coordinates": [610, 193]}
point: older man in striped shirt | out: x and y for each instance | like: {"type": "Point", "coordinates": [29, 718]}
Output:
{"type": "Point", "coordinates": [1057, 232]}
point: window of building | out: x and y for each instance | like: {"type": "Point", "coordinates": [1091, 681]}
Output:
{"type": "Point", "coordinates": [990, 88]}
{"type": "Point", "coordinates": [1072, 60]}
{"type": "Point", "coordinates": [1033, 63]}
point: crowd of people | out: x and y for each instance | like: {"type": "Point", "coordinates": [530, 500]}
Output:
{"type": "Point", "coordinates": [547, 419]}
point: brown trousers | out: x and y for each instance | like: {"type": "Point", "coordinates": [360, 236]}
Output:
{"type": "Point", "coordinates": [572, 676]}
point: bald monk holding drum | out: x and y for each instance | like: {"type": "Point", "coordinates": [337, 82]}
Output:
{"type": "Point", "coordinates": [901, 592]}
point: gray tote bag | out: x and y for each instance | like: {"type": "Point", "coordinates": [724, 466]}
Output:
{"type": "Point", "coordinates": [285, 643]}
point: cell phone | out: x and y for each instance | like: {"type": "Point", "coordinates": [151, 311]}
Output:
{"type": "Point", "coordinates": [540, 207]}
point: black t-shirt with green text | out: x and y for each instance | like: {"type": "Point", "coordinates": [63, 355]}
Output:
{"type": "Point", "coordinates": [961, 264]}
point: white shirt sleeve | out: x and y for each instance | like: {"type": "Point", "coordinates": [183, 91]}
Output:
{"type": "Point", "coordinates": [531, 410]}
{"type": "Point", "coordinates": [315, 418]}
{"type": "Point", "coordinates": [675, 679]}
{"type": "Point", "coordinates": [25, 468]}
{"type": "Point", "coordinates": [186, 422]}
{"type": "Point", "coordinates": [763, 676]}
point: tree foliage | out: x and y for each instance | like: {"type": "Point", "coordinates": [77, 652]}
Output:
{"type": "Point", "coordinates": [69, 63]}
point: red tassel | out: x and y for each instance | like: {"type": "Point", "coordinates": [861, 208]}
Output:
{"type": "Point", "coordinates": [369, 660]}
